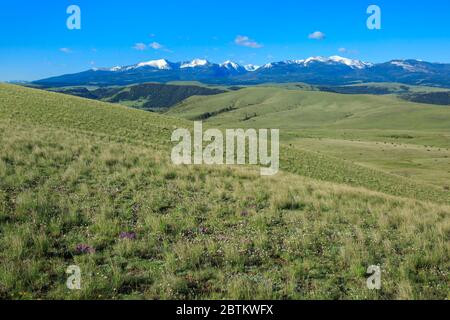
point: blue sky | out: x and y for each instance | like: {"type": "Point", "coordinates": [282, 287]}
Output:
{"type": "Point", "coordinates": [35, 42]}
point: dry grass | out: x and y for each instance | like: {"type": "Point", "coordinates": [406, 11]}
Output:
{"type": "Point", "coordinates": [201, 232]}
{"type": "Point", "coordinates": [76, 173]}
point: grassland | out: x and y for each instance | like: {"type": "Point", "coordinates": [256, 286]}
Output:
{"type": "Point", "coordinates": [300, 109]}
{"type": "Point", "coordinates": [384, 133]}
{"type": "Point", "coordinates": [75, 171]}
{"type": "Point", "coordinates": [146, 96]}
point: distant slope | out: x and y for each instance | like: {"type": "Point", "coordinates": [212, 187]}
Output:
{"type": "Point", "coordinates": [439, 98]}
{"type": "Point", "coordinates": [399, 135]}
{"type": "Point", "coordinates": [419, 94]}
{"type": "Point", "coordinates": [147, 96]}
{"type": "Point", "coordinates": [380, 88]}
{"type": "Point", "coordinates": [300, 109]}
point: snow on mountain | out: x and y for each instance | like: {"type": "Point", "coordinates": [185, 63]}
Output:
{"type": "Point", "coordinates": [161, 64]}
{"type": "Point", "coordinates": [314, 70]}
{"type": "Point", "coordinates": [352, 63]}
{"type": "Point", "coordinates": [230, 65]}
{"type": "Point", "coordinates": [358, 64]}
{"type": "Point", "coordinates": [295, 61]}
{"type": "Point", "coordinates": [194, 63]}
{"type": "Point", "coordinates": [306, 62]}
{"type": "Point", "coordinates": [251, 67]}
{"type": "Point", "coordinates": [407, 66]}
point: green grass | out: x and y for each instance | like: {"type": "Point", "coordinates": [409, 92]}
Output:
{"type": "Point", "coordinates": [299, 109]}
{"type": "Point", "coordinates": [382, 133]}
{"type": "Point", "coordinates": [398, 87]}
{"type": "Point", "coordinates": [422, 163]}
{"type": "Point", "coordinates": [75, 171]}
{"type": "Point", "coordinates": [62, 111]}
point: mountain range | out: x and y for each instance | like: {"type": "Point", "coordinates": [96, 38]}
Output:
{"type": "Point", "coordinates": [334, 70]}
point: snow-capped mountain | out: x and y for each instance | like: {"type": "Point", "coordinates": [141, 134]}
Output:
{"type": "Point", "coordinates": [251, 67]}
{"type": "Point", "coordinates": [161, 64]}
{"type": "Point", "coordinates": [411, 65]}
{"type": "Point", "coordinates": [313, 70]}
{"type": "Point", "coordinates": [333, 60]}
{"type": "Point", "coordinates": [230, 65]}
{"type": "Point", "coordinates": [352, 63]}
{"type": "Point", "coordinates": [117, 68]}
{"type": "Point", "coordinates": [233, 67]}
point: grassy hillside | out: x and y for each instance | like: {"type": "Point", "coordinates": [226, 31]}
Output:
{"type": "Point", "coordinates": [383, 88]}
{"type": "Point", "coordinates": [440, 98]}
{"type": "Point", "coordinates": [379, 132]}
{"type": "Point", "coordinates": [299, 109]}
{"type": "Point", "coordinates": [147, 96]}
{"type": "Point", "coordinates": [91, 184]}
{"type": "Point", "coordinates": [67, 112]}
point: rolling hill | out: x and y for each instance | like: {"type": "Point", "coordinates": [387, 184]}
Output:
{"type": "Point", "coordinates": [363, 129]}
{"type": "Point", "coordinates": [91, 183]}
{"type": "Point", "coordinates": [303, 109]}
{"type": "Point", "coordinates": [147, 96]}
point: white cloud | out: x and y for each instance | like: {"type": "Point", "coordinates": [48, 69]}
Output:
{"type": "Point", "coordinates": [347, 51]}
{"type": "Point", "coordinates": [245, 41]}
{"type": "Point", "coordinates": [140, 46]}
{"type": "Point", "coordinates": [156, 45]}
{"type": "Point", "coordinates": [317, 35]}
{"type": "Point", "coordinates": [65, 50]}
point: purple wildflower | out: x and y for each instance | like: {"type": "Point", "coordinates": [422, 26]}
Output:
{"type": "Point", "coordinates": [128, 235]}
{"type": "Point", "coordinates": [84, 248]}
{"type": "Point", "coordinates": [204, 230]}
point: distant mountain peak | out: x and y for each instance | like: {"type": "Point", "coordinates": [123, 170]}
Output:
{"type": "Point", "coordinates": [410, 65]}
{"type": "Point", "coordinates": [251, 67]}
{"type": "Point", "coordinates": [354, 64]}
{"type": "Point", "coordinates": [314, 59]}
{"type": "Point", "coordinates": [230, 65]}
{"type": "Point", "coordinates": [161, 64]}
{"type": "Point", "coordinates": [358, 64]}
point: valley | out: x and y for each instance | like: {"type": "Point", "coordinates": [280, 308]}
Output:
{"type": "Point", "coordinates": [381, 132]}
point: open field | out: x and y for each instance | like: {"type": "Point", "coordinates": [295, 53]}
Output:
{"type": "Point", "coordinates": [81, 172]}
{"type": "Point", "coordinates": [423, 163]}
{"type": "Point", "coordinates": [299, 109]}
{"type": "Point", "coordinates": [380, 132]}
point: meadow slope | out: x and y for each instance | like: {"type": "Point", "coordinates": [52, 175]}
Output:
{"type": "Point", "coordinates": [75, 174]}
{"type": "Point", "coordinates": [382, 133]}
